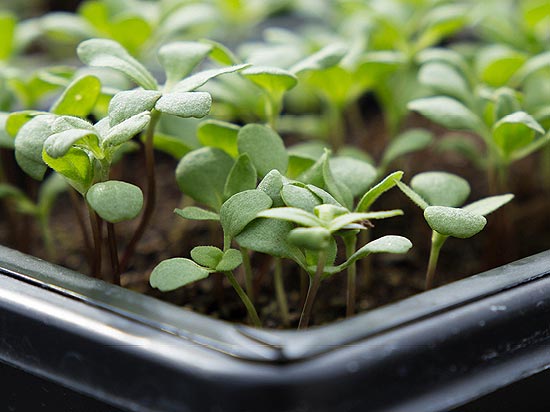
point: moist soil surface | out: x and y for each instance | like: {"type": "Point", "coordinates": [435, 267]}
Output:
{"type": "Point", "coordinates": [520, 229]}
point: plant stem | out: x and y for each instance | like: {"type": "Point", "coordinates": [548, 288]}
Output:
{"type": "Point", "coordinates": [351, 243]}
{"type": "Point", "coordinates": [280, 293]}
{"type": "Point", "coordinates": [245, 299]}
{"type": "Point", "coordinates": [113, 251]}
{"type": "Point", "coordinates": [312, 291]}
{"type": "Point", "coordinates": [247, 273]}
{"type": "Point", "coordinates": [437, 242]}
{"type": "Point", "coordinates": [73, 195]}
{"type": "Point", "coordinates": [150, 194]}
{"type": "Point", "coordinates": [96, 232]}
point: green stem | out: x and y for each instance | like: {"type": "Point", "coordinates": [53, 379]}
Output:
{"type": "Point", "coordinates": [280, 293]}
{"type": "Point", "coordinates": [150, 194]}
{"type": "Point", "coordinates": [245, 299]}
{"type": "Point", "coordinates": [351, 242]}
{"type": "Point", "coordinates": [312, 291]}
{"type": "Point", "coordinates": [113, 251]}
{"type": "Point", "coordinates": [247, 273]}
{"type": "Point", "coordinates": [437, 242]}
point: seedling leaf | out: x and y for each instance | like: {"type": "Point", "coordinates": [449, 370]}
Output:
{"type": "Point", "coordinates": [271, 79]}
{"type": "Point", "coordinates": [201, 174]}
{"type": "Point", "coordinates": [208, 256]}
{"type": "Point", "coordinates": [385, 244]}
{"type": "Point", "coordinates": [488, 205]}
{"type": "Point", "coordinates": [450, 221]}
{"type": "Point", "coordinates": [299, 197]}
{"type": "Point", "coordinates": [125, 130]}
{"type": "Point", "coordinates": [58, 144]}
{"type": "Point", "coordinates": [310, 238]}
{"type": "Point", "coordinates": [223, 135]}
{"type": "Point", "coordinates": [408, 142]}
{"type": "Point", "coordinates": [196, 213]}
{"type": "Point", "coordinates": [292, 214]}
{"type": "Point", "coordinates": [272, 184]}
{"type": "Point", "coordinates": [79, 98]}
{"type": "Point", "coordinates": [76, 166]}
{"type": "Point", "coordinates": [230, 260]}
{"type": "Point", "coordinates": [180, 58]}
{"type": "Point", "coordinates": [515, 131]}
{"type": "Point", "coordinates": [241, 209]}
{"type": "Point", "coordinates": [128, 103]}
{"type": "Point", "coordinates": [357, 175]}
{"type": "Point", "coordinates": [185, 104]}
{"type": "Point", "coordinates": [370, 197]}
{"type": "Point", "coordinates": [174, 273]}
{"type": "Point", "coordinates": [411, 194]}
{"type": "Point", "coordinates": [29, 143]}
{"type": "Point", "coordinates": [265, 148]}
{"type": "Point", "coordinates": [341, 221]}
{"type": "Point", "coordinates": [109, 53]}
{"type": "Point", "coordinates": [115, 201]}
{"type": "Point", "coordinates": [197, 80]}
{"type": "Point", "coordinates": [242, 176]}
{"type": "Point", "coordinates": [441, 188]}
{"type": "Point", "coordinates": [269, 236]}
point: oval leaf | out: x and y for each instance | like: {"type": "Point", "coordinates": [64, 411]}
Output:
{"type": "Point", "coordinates": [230, 260]}
{"type": "Point", "coordinates": [241, 209]}
{"type": "Point", "coordinates": [450, 221]}
{"type": "Point", "coordinates": [115, 201]}
{"type": "Point", "coordinates": [180, 58]}
{"type": "Point", "coordinates": [79, 97]}
{"type": "Point", "coordinates": [196, 213]}
{"type": "Point", "coordinates": [441, 188]}
{"type": "Point", "coordinates": [185, 104]}
{"type": "Point", "coordinates": [223, 135]}
{"type": "Point", "coordinates": [174, 273]}
{"type": "Point", "coordinates": [208, 256]}
{"type": "Point", "coordinates": [265, 148]}
{"type": "Point", "coordinates": [129, 103]}
{"type": "Point", "coordinates": [242, 177]}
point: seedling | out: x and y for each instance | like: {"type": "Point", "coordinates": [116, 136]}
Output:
{"type": "Point", "coordinates": [440, 195]}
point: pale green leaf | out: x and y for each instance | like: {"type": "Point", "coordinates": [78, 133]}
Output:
{"type": "Point", "coordinates": [411, 194]}
{"type": "Point", "coordinates": [385, 244]}
{"type": "Point", "coordinates": [271, 79]}
{"type": "Point", "coordinates": [342, 221]}
{"type": "Point", "coordinates": [373, 194]}
{"type": "Point", "coordinates": [115, 201]}
{"type": "Point", "coordinates": [265, 148]}
{"type": "Point", "coordinates": [29, 144]}
{"type": "Point", "coordinates": [201, 78]}
{"type": "Point", "coordinates": [441, 188]}
{"type": "Point", "coordinates": [180, 58]}
{"type": "Point", "coordinates": [196, 213]}
{"type": "Point", "coordinates": [241, 209]}
{"type": "Point", "coordinates": [58, 144]}
{"type": "Point", "coordinates": [174, 273]}
{"type": "Point", "coordinates": [216, 133]}
{"type": "Point", "coordinates": [357, 175]}
{"type": "Point", "coordinates": [76, 166]}
{"type": "Point", "coordinates": [109, 53]}
{"type": "Point", "coordinates": [450, 221]}
{"type": "Point", "coordinates": [79, 98]}
{"type": "Point", "coordinates": [488, 205]}
{"type": "Point", "coordinates": [444, 79]}
{"type": "Point", "coordinates": [310, 238]}
{"type": "Point", "coordinates": [515, 131]}
{"type": "Point", "coordinates": [242, 176]}
{"type": "Point", "coordinates": [326, 57]}
{"type": "Point", "coordinates": [125, 130]}
{"type": "Point", "coordinates": [208, 256]}
{"type": "Point", "coordinates": [230, 260]}
{"type": "Point", "coordinates": [272, 184]}
{"type": "Point", "coordinates": [128, 103]}
{"type": "Point", "coordinates": [299, 197]}
{"type": "Point", "coordinates": [292, 214]}
{"type": "Point", "coordinates": [185, 104]}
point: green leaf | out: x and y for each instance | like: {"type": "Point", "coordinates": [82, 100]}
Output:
{"type": "Point", "coordinates": [29, 143]}
{"type": "Point", "coordinates": [201, 78]}
{"type": "Point", "coordinates": [444, 79]}
{"type": "Point", "coordinates": [208, 256]}
{"type": "Point", "coordinates": [292, 214]}
{"type": "Point", "coordinates": [441, 188]}
{"type": "Point", "coordinates": [311, 238]}
{"type": "Point", "coordinates": [531, 66]}
{"type": "Point", "coordinates": [6, 141]}
{"type": "Point", "coordinates": [221, 54]}
{"type": "Point", "coordinates": [412, 140]}
{"type": "Point", "coordinates": [241, 209]}
{"type": "Point", "coordinates": [180, 58]}
{"type": "Point", "coordinates": [323, 195]}
{"type": "Point", "coordinates": [335, 187]}
{"type": "Point", "coordinates": [8, 23]}
{"type": "Point", "coordinates": [79, 98]}
{"type": "Point", "coordinates": [172, 145]}
{"type": "Point", "coordinates": [16, 120]}
{"type": "Point", "coordinates": [223, 135]}
{"type": "Point", "coordinates": [450, 221]}
{"type": "Point", "coordinates": [115, 201]}
{"type": "Point", "coordinates": [174, 273]}
{"type": "Point", "coordinates": [488, 205]}
{"type": "Point", "coordinates": [269, 236]}
{"type": "Point", "coordinates": [125, 130]}
{"type": "Point", "coordinates": [241, 177]}
{"type": "Point", "coordinates": [299, 197]}
{"type": "Point", "coordinates": [497, 64]}
{"type": "Point", "coordinates": [271, 79]}
{"type": "Point", "coordinates": [109, 53]}
{"type": "Point", "coordinates": [128, 103]}
{"type": "Point", "coordinates": [448, 112]}
{"type": "Point", "coordinates": [58, 144]}
{"type": "Point", "coordinates": [357, 175]}
{"type": "Point", "coordinates": [411, 194]}
{"type": "Point", "coordinates": [327, 57]}
{"type": "Point", "coordinates": [201, 174]}
{"type": "Point", "coordinates": [272, 184]}
{"type": "Point", "coordinates": [265, 148]}
{"type": "Point", "coordinates": [196, 213]}
{"type": "Point", "coordinates": [231, 259]}
{"type": "Point", "coordinates": [342, 221]}
{"type": "Point", "coordinates": [385, 244]}
{"type": "Point", "coordinates": [515, 131]}
{"type": "Point", "coordinates": [76, 166]}
{"type": "Point", "coordinates": [65, 123]}
{"type": "Point", "coordinates": [373, 194]}
{"type": "Point", "coordinates": [185, 104]}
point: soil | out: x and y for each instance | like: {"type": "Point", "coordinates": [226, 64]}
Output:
{"type": "Point", "coordinates": [520, 229]}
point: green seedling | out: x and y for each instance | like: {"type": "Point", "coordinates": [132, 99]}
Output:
{"type": "Point", "coordinates": [465, 102]}
{"type": "Point", "coordinates": [440, 195]}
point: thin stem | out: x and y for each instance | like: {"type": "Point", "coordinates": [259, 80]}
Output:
{"type": "Point", "coordinates": [312, 291]}
{"type": "Point", "coordinates": [96, 232]}
{"type": "Point", "coordinates": [245, 299]}
{"type": "Point", "coordinates": [113, 251]}
{"type": "Point", "coordinates": [437, 242]}
{"type": "Point", "coordinates": [280, 293]}
{"type": "Point", "coordinates": [73, 195]}
{"type": "Point", "coordinates": [351, 243]}
{"type": "Point", "coordinates": [247, 273]}
{"type": "Point", "coordinates": [150, 193]}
